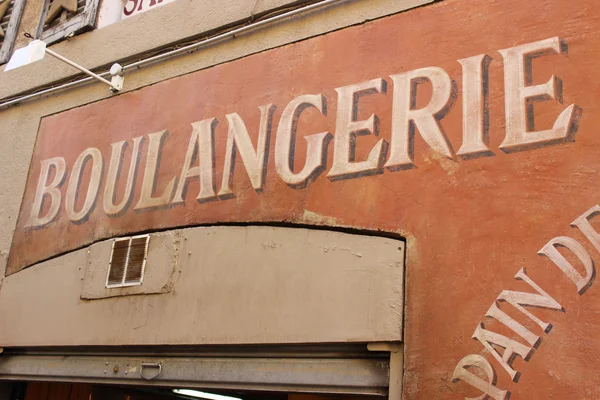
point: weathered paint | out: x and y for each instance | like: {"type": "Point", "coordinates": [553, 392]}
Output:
{"type": "Point", "coordinates": [223, 285]}
{"type": "Point", "coordinates": [473, 224]}
{"type": "Point", "coordinates": [165, 156]}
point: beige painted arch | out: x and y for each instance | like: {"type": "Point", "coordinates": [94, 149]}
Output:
{"type": "Point", "coordinates": [215, 285]}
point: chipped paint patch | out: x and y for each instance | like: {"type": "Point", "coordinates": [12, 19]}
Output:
{"type": "Point", "coordinates": [319, 219]}
{"type": "Point", "coordinates": [270, 245]}
{"type": "Point", "coordinates": [447, 164]}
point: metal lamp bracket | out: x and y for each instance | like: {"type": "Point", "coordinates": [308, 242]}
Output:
{"type": "Point", "coordinates": [117, 79]}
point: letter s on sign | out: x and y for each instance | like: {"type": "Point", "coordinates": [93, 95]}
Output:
{"type": "Point", "coordinates": [135, 5]}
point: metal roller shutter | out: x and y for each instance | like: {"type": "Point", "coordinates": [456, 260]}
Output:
{"type": "Point", "coordinates": [327, 369]}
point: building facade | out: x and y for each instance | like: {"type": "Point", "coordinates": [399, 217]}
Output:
{"type": "Point", "coordinates": [300, 199]}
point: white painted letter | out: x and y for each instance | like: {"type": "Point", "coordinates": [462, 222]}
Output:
{"type": "Point", "coordinates": [201, 146]}
{"type": "Point", "coordinates": [520, 132]}
{"type": "Point", "coordinates": [95, 156]}
{"type": "Point", "coordinates": [499, 315]}
{"type": "Point", "coordinates": [60, 166]}
{"type": "Point", "coordinates": [255, 162]}
{"type": "Point", "coordinates": [521, 299]}
{"type": "Point", "coordinates": [474, 75]}
{"type": "Point", "coordinates": [583, 223]}
{"type": "Point", "coordinates": [405, 118]}
{"type": "Point", "coordinates": [114, 168]}
{"type": "Point", "coordinates": [347, 128]}
{"type": "Point", "coordinates": [478, 361]}
{"type": "Point", "coordinates": [285, 142]}
{"type": "Point", "coordinates": [151, 175]}
{"type": "Point", "coordinates": [512, 348]}
{"type": "Point", "coordinates": [550, 250]}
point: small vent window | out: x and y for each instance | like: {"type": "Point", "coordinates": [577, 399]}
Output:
{"type": "Point", "coordinates": [127, 261]}
{"type": "Point", "coordinates": [63, 18]}
{"type": "Point", "coordinates": [10, 18]}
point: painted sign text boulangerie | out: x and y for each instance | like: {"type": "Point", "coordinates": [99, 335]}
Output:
{"type": "Point", "coordinates": [468, 127]}
{"type": "Point", "coordinates": [109, 179]}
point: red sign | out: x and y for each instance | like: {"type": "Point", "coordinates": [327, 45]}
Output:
{"type": "Point", "coordinates": [165, 156]}
{"type": "Point", "coordinates": [470, 128]}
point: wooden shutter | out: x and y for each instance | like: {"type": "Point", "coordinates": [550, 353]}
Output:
{"type": "Point", "coordinates": [81, 20]}
{"type": "Point", "coordinates": [10, 24]}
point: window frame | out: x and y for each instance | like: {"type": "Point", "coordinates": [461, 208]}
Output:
{"type": "Point", "coordinates": [10, 34]}
{"type": "Point", "coordinates": [124, 284]}
{"type": "Point", "coordinates": [86, 19]}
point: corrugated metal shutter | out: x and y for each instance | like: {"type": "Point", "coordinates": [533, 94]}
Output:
{"type": "Point", "coordinates": [325, 369]}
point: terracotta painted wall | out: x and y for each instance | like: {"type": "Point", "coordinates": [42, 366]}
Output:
{"type": "Point", "coordinates": [471, 221]}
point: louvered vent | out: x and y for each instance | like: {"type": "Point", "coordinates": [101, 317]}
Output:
{"type": "Point", "coordinates": [128, 261]}
{"type": "Point", "coordinates": [6, 19]}
{"type": "Point", "coordinates": [69, 15]}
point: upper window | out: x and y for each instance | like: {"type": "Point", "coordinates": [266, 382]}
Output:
{"type": "Point", "coordinates": [62, 18]}
{"type": "Point", "coordinates": [10, 17]}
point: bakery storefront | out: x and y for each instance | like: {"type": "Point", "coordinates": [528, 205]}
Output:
{"type": "Point", "coordinates": [403, 208]}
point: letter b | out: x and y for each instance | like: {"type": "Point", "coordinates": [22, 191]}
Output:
{"type": "Point", "coordinates": [59, 164]}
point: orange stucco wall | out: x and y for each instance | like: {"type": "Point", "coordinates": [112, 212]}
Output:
{"type": "Point", "coordinates": [471, 221]}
